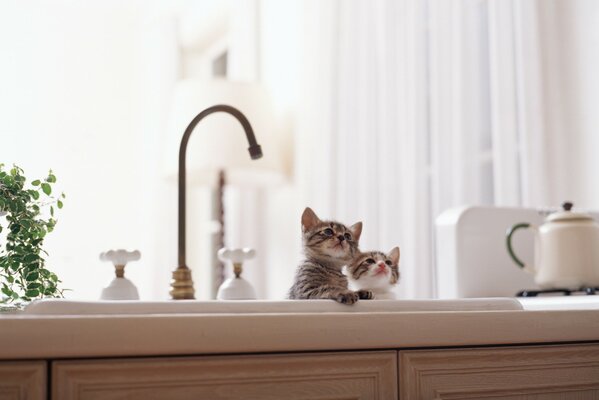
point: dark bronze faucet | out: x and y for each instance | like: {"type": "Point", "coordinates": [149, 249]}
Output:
{"type": "Point", "coordinates": [182, 284]}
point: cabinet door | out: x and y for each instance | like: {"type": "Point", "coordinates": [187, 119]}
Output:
{"type": "Point", "coordinates": [568, 372]}
{"type": "Point", "coordinates": [360, 375]}
{"type": "Point", "coordinates": [23, 380]}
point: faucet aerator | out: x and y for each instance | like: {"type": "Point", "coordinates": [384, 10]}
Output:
{"type": "Point", "coordinates": [255, 152]}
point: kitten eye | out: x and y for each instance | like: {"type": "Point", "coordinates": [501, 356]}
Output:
{"type": "Point", "coordinates": [347, 236]}
{"type": "Point", "coordinates": [388, 262]}
{"type": "Point", "coordinates": [328, 232]}
{"type": "Point", "coordinates": [370, 261]}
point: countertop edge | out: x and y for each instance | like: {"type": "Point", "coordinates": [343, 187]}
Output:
{"type": "Point", "coordinates": [55, 337]}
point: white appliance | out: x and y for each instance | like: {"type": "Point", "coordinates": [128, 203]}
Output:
{"type": "Point", "coordinates": [471, 255]}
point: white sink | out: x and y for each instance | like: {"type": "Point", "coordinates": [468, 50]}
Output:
{"type": "Point", "coordinates": [70, 307]}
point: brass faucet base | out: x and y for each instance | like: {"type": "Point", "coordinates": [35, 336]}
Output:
{"type": "Point", "coordinates": [182, 285]}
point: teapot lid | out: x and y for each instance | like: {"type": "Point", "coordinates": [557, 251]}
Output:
{"type": "Point", "coordinates": [567, 214]}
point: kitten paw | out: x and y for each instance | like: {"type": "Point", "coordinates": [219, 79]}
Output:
{"type": "Point", "coordinates": [347, 297]}
{"type": "Point", "coordinates": [365, 294]}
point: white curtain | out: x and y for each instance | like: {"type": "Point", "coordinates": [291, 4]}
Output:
{"type": "Point", "coordinates": [561, 140]}
{"type": "Point", "coordinates": [413, 107]}
{"type": "Point", "coordinates": [364, 128]}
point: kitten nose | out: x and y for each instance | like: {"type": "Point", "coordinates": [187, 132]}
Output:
{"type": "Point", "coordinates": [382, 266]}
{"type": "Point", "coordinates": [341, 238]}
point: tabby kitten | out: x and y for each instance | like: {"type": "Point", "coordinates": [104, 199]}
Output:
{"type": "Point", "coordinates": [375, 271]}
{"type": "Point", "coordinates": [328, 246]}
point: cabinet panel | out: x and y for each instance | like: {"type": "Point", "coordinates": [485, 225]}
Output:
{"type": "Point", "coordinates": [23, 380]}
{"type": "Point", "coordinates": [569, 372]}
{"type": "Point", "coordinates": [360, 375]}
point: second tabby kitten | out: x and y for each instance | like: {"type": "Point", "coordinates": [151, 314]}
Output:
{"type": "Point", "coordinates": [375, 271]}
{"type": "Point", "coordinates": [328, 246]}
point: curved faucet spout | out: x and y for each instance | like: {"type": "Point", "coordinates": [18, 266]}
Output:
{"type": "Point", "coordinates": [182, 284]}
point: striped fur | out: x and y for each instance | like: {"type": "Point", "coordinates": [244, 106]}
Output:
{"type": "Point", "coordinates": [328, 246]}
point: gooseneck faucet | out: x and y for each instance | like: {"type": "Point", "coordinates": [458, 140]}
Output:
{"type": "Point", "coordinates": [182, 284]}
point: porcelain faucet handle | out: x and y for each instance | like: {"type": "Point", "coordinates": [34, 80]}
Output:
{"type": "Point", "coordinates": [236, 256]}
{"type": "Point", "coordinates": [120, 257]}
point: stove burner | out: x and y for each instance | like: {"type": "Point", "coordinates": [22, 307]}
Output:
{"type": "Point", "coordinates": [565, 292]}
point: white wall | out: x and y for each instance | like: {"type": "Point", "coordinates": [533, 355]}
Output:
{"type": "Point", "coordinates": [281, 62]}
{"type": "Point", "coordinates": [87, 92]}
{"type": "Point", "coordinates": [70, 101]}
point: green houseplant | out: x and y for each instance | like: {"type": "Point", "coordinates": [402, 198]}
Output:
{"type": "Point", "coordinates": [26, 217]}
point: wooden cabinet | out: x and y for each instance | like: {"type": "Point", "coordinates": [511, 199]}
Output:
{"type": "Point", "coordinates": [569, 372]}
{"type": "Point", "coordinates": [355, 375]}
{"type": "Point", "coordinates": [565, 372]}
{"type": "Point", "coordinates": [23, 380]}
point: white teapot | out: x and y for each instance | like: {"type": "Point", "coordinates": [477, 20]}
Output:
{"type": "Point", "coordinates": [566, 250]}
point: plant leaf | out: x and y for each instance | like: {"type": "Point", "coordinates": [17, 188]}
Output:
{"type": "Point", "coordinates": [32, 293]}
{"type": "Point", "coordinates": [36, 182]}
{"type": "Point", "coordinates": [32, 276]}
{"type": "Point", "coordinates": [46, 188]}
{"type": "Point", "coordinates": [50, 291]}
{"type": "Point", "coordinates": [30, 257]}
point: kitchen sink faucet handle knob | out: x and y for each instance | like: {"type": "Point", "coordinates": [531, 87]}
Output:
{"type": "Point", "coordinates": [236, 255]}
{"type": "Point", "coordinates": [119, 258]}
{"type": "Point", "coordinates": [120, 288]}
{"type": "Point", "coordinates": [236, 287]}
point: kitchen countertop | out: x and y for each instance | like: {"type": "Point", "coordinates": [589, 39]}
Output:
{"type": "Point", "coordinates": [24, 336]}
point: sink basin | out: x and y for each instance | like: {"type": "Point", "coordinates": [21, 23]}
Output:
{"type": "Point", "coordinates": [71, 307]}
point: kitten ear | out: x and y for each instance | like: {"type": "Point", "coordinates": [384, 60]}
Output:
{"type": "Point", "coordinates": [356, 229]}
{"type": "Point", "coordinates": [394, 255]}
{"type": "Point", "coordinates": [309, 219]}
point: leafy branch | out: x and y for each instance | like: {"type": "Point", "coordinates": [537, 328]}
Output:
{"type": "Point", "coordinates": [23, 275]}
